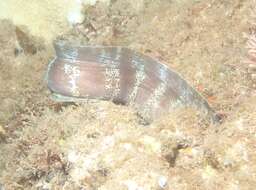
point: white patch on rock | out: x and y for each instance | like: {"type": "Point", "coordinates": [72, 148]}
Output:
{"type": "Point", "coordinates": [75, 15]}
{"type": "Point", "coordinates": [132, 185]}
{"type": "Point", "coordinates": [162, 181]}
{"type": "Point", "coordinates": [73, 156]}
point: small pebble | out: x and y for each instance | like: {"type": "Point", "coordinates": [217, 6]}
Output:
{"type": "Point", "coordinates": [162, 182]}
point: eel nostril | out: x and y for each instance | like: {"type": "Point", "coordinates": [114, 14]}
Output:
{"type": "Point", "coordinates": [119, 102]}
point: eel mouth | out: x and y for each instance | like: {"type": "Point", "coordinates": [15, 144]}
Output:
{"type": "Point", "coordinates": [123, 76]}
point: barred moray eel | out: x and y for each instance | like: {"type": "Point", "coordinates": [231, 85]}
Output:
{"type": "Point", "coordinates": [122, 76]}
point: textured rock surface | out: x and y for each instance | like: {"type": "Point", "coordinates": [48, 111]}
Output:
{"type": "Point", "coordinates": [99, 145]}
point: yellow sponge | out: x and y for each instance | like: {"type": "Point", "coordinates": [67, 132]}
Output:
{"type": "Point", "coordinates": [44, 18]}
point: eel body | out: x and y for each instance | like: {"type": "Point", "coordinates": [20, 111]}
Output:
{"type": "Point", "coordinates": [122, 76]}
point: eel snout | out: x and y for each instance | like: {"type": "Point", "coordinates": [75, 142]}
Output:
{"type": "Point", "coordinates": [122, 76]}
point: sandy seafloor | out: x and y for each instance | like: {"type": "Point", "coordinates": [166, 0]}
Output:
{"type": "Point", "coordinates": [100, 145]}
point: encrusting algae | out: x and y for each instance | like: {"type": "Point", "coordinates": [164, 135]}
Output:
{"type": "Point", "coordinates": [100, 145]}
